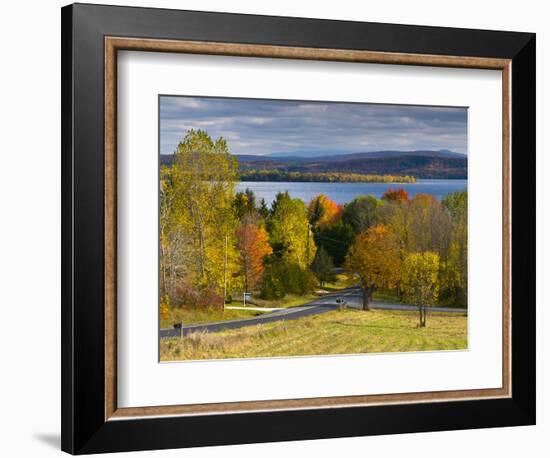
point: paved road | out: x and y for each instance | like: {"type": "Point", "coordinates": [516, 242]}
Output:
{"type": "Point", "coordinates": [353, 296]}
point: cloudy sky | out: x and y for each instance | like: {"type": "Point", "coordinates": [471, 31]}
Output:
{"type": "Point", "coordinates": [261, 127]}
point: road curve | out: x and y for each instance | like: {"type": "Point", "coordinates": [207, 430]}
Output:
{"type": "Point", "coordinates": [353, 297]}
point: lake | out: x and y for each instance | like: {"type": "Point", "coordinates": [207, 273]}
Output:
{"type": "Point", "coordinates": [343, 193]}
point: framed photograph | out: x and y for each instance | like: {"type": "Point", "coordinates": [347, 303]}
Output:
{"type": "Point", "coordinates": [281, 228]}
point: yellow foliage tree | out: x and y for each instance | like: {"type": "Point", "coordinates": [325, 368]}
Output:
{"type": "Point", "coordinates": [374, 257]}
{"type": "Point", "coordinates": [289, 231]}
{"type": "Point", "coordinates": [164, 308]}
{"type": "Point", "coordinates": [198, 219]}
{"type": "Point", "coordinates": [455, 275]}
{"type": "Point", "coordinates": [429, 225]}
{"type": "Point", "coordinates": [420, 281]}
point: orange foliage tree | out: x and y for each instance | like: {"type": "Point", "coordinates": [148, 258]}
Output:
{"type": "Point", "coordinates": [323, 212]}
{"type": "Point", "coordinates": [396, 195]}
{"type": "Point", "coordinates": [253, 245]}
{"type": "Point", "coordinates": [374, 257]}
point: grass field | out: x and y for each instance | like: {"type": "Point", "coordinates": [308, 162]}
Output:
{"type": "Point", "coordinates": [352, 331]}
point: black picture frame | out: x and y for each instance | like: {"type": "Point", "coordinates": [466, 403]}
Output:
{"type": "Point", "coordinates": [84, 429]}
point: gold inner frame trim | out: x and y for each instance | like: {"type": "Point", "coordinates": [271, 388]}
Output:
{"type": "Point", "coordinates": [114, 44]}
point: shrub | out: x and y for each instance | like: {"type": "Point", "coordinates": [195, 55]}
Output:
{"type": "Point", "coordinates": [192, 298]}
{"type": "Point", "coordinates": [272, 286]}
{"type": "Point", "coordinates": [323, 267]}
{"type": "Point", "coordinates": [298, 280]}
{"type": "Point", "coordinates": [281, 278]}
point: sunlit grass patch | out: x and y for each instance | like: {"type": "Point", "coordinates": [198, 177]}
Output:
{"type": "Point", "coordinates": [290, 300]}
{"type": "Point", "coordinates": [342, 281]}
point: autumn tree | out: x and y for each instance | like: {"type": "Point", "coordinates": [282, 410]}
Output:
{"type": "Point", "coordinates": [289, 230]}
{"type": "Point", "coordinates": [393, 195]}
{"type": "Point", "coordinates": [164, 308]}
{"type": "Point", "coordinates": [394, 213]}
{"type": "Point", "coordinates": [455, 281]}
{"type": "Point", "coordinates": [322, 211]}
{"type": "Point", "coordinates": [323, 267]}
{"type": "Point", "coordinates": [197, 206]}
{"type": "Point", "coordinates": [361, 213]}
{"type": "Point", "coordinates": [253, 246]}
{"type": "Point", "coordinates": [374, 257]}
{"type": "Point", "coordinates": [420, 281]}
{"type": "Point", "coordinates": [456, 203]}
{"type": "Point", "coordinates": [173, 237]}
{"type": "Point", "coordinates": [429, 225]}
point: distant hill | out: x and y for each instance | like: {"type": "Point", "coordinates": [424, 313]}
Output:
{"type": "Point", "coordinates": [420, 164]}
{"type": "Point", "coordinates": [166, 159]}
{"type": "Point", "coordinates": [304, 154]}
{"type": "Point", "coordinates": [332, 156]}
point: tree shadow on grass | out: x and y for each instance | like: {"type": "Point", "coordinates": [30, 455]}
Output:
{"type": "Point", "coordinates": [374, 326]}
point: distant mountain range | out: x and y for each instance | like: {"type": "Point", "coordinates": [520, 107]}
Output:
{"type": "Point", "coordinates": [333, 155]}
{"type": "Point", "coordinates": [420, 164]}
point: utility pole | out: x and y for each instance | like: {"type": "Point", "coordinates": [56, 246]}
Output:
{"type": "Point", "coordinates": [307, 244]}
{"type": "Point", "coordinates": [225, 272]}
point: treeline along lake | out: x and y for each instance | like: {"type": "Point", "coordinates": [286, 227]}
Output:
{"type": "Point", "coordinates": [343, 193]}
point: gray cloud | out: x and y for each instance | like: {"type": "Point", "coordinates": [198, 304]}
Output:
{"type": "Point", "coordinates": [253, 126]}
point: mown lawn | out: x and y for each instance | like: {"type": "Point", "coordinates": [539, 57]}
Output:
{"type": "Point", "coordinates": [351, 331]}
